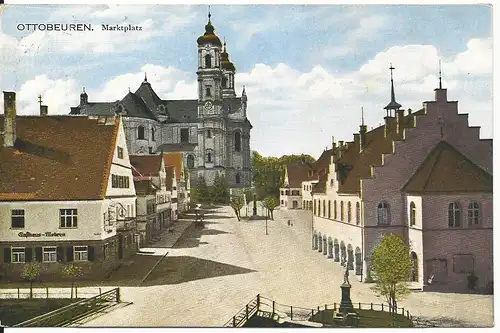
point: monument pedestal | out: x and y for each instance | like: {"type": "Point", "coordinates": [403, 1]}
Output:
{"type": "Point", "coordinates": [346, 303]}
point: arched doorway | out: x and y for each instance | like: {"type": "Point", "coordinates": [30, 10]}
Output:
{"type": "Point", "coordinates": [358, 262]}
{"type": "Point", "coordinates": [320, 243]}
{"type": "Point", "coordinates": [350, 257]}
{"type": "Point", "coordinates": [343, 252]}
{"type": "Point", "coordinates": [414, 267]}
{"type": "Point", "coordinates": [336, 250]}
{"type": "Point", "coordinates": [330, 248]}
{"type": "Point", "coordinates": [315, 241]}
{"type": "Point", "coordinates": [325, 246]}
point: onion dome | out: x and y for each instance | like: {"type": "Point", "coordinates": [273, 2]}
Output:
{"type": "Point", "coordinates": [209, 37]}
{"type": "Point", "coordinates": [83, 94]}
{"type": "Point", "coordinates": [225, 63]}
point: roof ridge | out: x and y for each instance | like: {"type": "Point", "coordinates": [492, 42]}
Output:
{"type": "Point", "coordinates": [432, 169]}
{"type": "Point", "coordinates": [104, 184]}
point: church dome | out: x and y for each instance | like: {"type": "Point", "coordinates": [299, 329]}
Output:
{"type": "Point", "coordinates": [225, 63]}
{"type": "Point", "coordinates": [209, 37]}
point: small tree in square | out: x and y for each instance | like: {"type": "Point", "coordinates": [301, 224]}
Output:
{"type": "Point", "coordinates": [30, 273]}
{"type": "Point", "coordinates": [200, 191]}
{"type": "Point", "coordinates": [236, 204]}
{"type": "Point", "coordinates": [270, 204]}
{"type": "Point", "coordinates": [73, 272]}
{"type": "Point", "coordinates": [220, 191]}
{"type": "Point", "coordinates": [391, 263]}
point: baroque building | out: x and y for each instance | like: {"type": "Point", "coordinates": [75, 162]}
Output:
{"type": "Point", "coordinates": [212, 131]}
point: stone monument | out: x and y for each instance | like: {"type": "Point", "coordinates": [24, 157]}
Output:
{"type": "Point", "coordinates": [346, 303]}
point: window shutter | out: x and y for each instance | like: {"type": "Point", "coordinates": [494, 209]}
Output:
{"type": "Point", "coordinates": [38, 254]}
{"type": "Point", "coordinates": [60, 253]}
{"type": "Point", "coordinates": [6, 254]}
{"type": "Point", "coordinates": [29, 254]}
{"type": "Point", "coordinates": [69, 253]}
{"type": "Point", "coordinates": [91, 253]}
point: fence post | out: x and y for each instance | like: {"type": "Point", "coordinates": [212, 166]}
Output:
{"type": "Point", "coordinates": [382, 307]}
{"type": "Point", "coordinates": [325, 307]}
{"type": "Point", "coordinates": [118, 295]}
{"type": "Point", "coordinates": [371, 306]}
{"type": "Point", "coordinates": [323, 317]}
{"type": "Point", "coordinates": [291, 312]}
{"type": "Point", "coordinates": [246, 310]}
{"type": "Point", "coordinates": [76, 292]}
{"type": "Point", "coordinates": [18, 293]}
{"type": "Point", "coordinates": [258, 301]}
{"type": "Point", "coordinates": [234, 321]}
{"type": "Point", "coordinates": [274, 308]}
{"type": "Point", "coordinates": [360, 305]}
{"type": "Point", "coordinates": [407, 314]}
{"type": "Point", "coordinates": [403, 311]}
{"type": "Point", "coordinates": [47, 289]}
{"type": "Point", "coordinates": [100, 291]}
{"type": "Point", "coordinates": [335, 306]}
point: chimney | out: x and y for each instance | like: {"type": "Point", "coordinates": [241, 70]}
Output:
{"type": "Point", "coordinates": [9, 130]}
{"type": "Point", "coordinates": [362, 137]}
{"type": "Point", "coordinates": [44, 110]}
{"type": "Point", "coordinates": [440, 93]}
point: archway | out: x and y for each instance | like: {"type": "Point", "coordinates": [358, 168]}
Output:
{"type": "Point", "coordinates": [336, 250]}
{"type": "Point", "coordinates": [325, 247]}
{"type": "Point", "coordinates": [330, 248]}
{"type": "Point", "coordinates": [358, 262]}
{"type": "Point", "coordinates": [343, 252]}
{"type": "Point", "coordinates": [350, 257]}
{"type": "Point", "coordinates": [414, 267]}
{"type": "Point", "coordinates": [320, 243]}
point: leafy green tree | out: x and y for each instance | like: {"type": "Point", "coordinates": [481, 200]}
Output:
{"type": "Point", "coordinates": [270, 204]}
{"type": "Point", "coordinates": [236, 204]}
{"type": "Point", "coordinates": [30, 273]}
{"type": "Point", "coordinates": [220, 191]}
{"type": "Point", "coordinates": [200, 192]}
{"type": "Point", "coordinates": [391, 264]}
{"type": "Point", "coordinates": [73, 272]}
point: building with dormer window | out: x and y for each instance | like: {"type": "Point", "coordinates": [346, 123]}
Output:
{"type": "Point", "coordinates": [212, 131]}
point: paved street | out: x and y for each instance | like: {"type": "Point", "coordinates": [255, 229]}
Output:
{"type": "Point", "coordinates": [226, 264]}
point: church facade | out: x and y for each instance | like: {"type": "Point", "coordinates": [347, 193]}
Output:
{"type": "Point", "coordinates": [212, 131]}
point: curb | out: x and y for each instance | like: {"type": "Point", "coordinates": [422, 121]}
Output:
{"type": "Point", "coordinates": [152, 269]}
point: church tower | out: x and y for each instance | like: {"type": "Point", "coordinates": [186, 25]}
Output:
{"type": "Point", "coordinates": [228, 71]}
{"type": "Point", "coordinates": [211, 124]}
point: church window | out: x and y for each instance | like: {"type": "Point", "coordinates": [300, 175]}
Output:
{"type": "Point", "coordinates": [358, 213]}
{"type": "Point", "coordinates": [152, 134]}
{"type": "Point", "coordinates": [238, 178]}
{"type": "Point", "coordinates": [209, 134]}
{"type": "Point", "coordinates": [190, 161]}
{"type": "Point", "coordinates": [454, 215]}
{"type": "Point", "coordinates": [140, 132]}
{"type": "Point", "coordinates": [413, 213]}
{"type": "Point", "coordinates": [208, 61]}
{"type": "Point", "coordinates": [184, 135]}
{"type": "Point", "coordinates": [237, 141]}
{"type": "Point", "coordinates": [209, 155]}
{"type": "Point", "coordinates": [224, 82]}
{"type": "Point", "coordinates": [473, 214]}
{"type": "Point", "coordinates": [208, 92]}
{"type": "Point", "coordinates": [349, 212]}
{"type": "Point", "coordinates": [383, 213]}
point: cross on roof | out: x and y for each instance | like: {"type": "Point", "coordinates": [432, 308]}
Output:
{"type": "Point", "coordinates": [40, 99]}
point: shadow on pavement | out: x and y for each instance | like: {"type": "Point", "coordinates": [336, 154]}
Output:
{"type": "Point", "coordinates": [441, 322]}
{"type": "Point", "coordinates": [174, 270]}
{"type": "Point", "coordinates": [192, 235]}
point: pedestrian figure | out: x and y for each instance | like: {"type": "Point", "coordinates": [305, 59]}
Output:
{"type": "Point", "coordinates": [288, 222]}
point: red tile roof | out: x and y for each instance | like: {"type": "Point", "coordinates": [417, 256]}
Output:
{"type": "Point", "coordinates": [57, 158]}
{"type": "Point", "coordinates": [445, 169]}
{"type": "Point", "coordinates": [144, 187]}
{"type": "Point", "coordinates": [147, 165]}
{"type": "Point", "coordinates": [297, 173]}
{"type": "Point", "coordinates": [175, 160]}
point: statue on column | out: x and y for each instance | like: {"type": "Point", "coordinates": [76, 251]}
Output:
{"type": "Point", "coordinates": [346, 275]}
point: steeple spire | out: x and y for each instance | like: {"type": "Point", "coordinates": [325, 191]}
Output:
{"type": "Point", "coordinates": [393, 105]}
{"type": "Point", "coordinates": [145, 77]}
{"type": "Point", "coordinates": [209, 15]}
{"type": "Point", "coordinates": [40, 100]}
{"type": "Point", "coordinates": [440, 78]}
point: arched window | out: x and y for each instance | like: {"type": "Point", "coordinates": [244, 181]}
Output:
{"type": "Point", "coordinates": [152, 134]}
{"type": "Point", "coordinates": [190, 161]}
{"type": "Point", "coordinates": [342, 211]}
{"type": "Point", "coordinates": [237, 141]}
{"type": "Point", "coordinates": [319, 207]}
{"type": "Point", "coordinates": [358, 213]}
{"type": "Point", "coordinates": [314, 206]}
{"type": "Point", "coordinates": [324, 208]}
{"type": "Point", "coordinates": [224, 82]}
{"type": "Point", "coordinates": [329, 209]}
{"type": "Point", "coordinates": [208, 61]}
{"type": "Point", "coordinates": [413, 214]}
{"type": "Point", "coordinates": [453, 215]}
{"type": "Point", "coordinates": [237, 178]}
{"type": "Point", "coordinates": [383, 213]}
{"type": "Point", "coordinates": [208, 92]}
{"type": "Point", "coordinates": [209, 133]}
{"type": "Point", "coordinates": [209, 155]}
{"type": "Point", "coordinates": [335, 209]}
{"type": "Point", "coordinates": [349, 213]}
{"type": "Point", "coordinates": [140, 132]}
{"type": "Point", "coordinates": [473, 214]}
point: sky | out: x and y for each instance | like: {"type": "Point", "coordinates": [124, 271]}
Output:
{"type": "Point", "coordinates": [307, 69]}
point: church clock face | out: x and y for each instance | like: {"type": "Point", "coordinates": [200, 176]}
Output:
{"type": "Point", "coordinates": [209, 106]}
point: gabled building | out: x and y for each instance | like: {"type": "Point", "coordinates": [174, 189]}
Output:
{"type": "Point", "coordinates": [182, 184]}
{"type": "Point", "coordinates": [424, 175]}
{"type": "Point", "coordinates": [66, 193]}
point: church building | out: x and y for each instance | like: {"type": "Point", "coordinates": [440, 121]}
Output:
{"type": "Point", "coordinates": [212, 131]}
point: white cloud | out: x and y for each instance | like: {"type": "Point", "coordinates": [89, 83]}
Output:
{"type": "Point", "coordinates": [294, 111]}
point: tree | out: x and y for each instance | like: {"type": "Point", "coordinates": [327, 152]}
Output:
{"type": "Point", "coordinates": [31, 272]}
{"type": "Point", "coordinates": [270, 204]}
{"type": "Point", "coordinates": [236, 204]}
{"type": "Point", "coordinates": [73, 272]}
{"type": "Point", "coordinates": [200, 192]}
{"type": "Point", "coordinates": [391, 263]}
{"type": "Point", "coordinates": [219, 190]}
